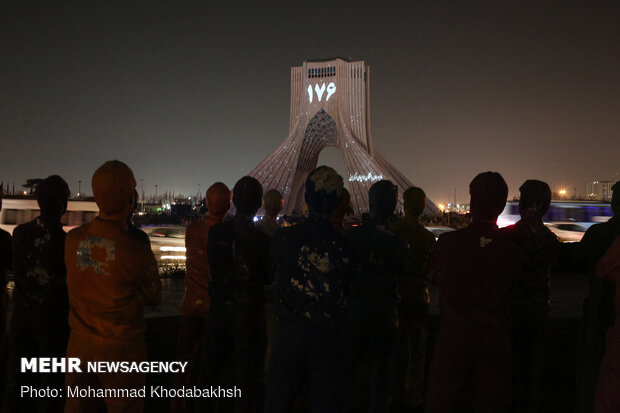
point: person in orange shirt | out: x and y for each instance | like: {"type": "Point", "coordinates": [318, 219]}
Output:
{"type": "Point", "coordinates": [110, 276]}
{"type": "Point", "coordinates": [196, 299]}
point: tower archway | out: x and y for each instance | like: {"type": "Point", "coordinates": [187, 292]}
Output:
{"type": "Point", "coordinates": [329, 108]}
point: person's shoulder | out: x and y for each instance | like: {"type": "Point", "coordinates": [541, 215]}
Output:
{"type": "Point", "coordinates": [422, 231]}
{"type": "Point", "coordinates": [199, 226]}
{"type": "Point", "coordinates": [259, 234]}
{"type": "Point", "coordinates": [79, 231]}
{"type": "Point", "coordinates": [598, 229]}
{"type": "Point", "coordinates": [399, 225]}
{"type": "Point", "coordinates": [286, 233]}
{"type": "Point", "coordinates": [506, 241]}
{"type": "Point", "coordinates": [4, 236]}
{"type": "Point", "coordinates": [510, 230]}
{"type": "Point", "coordinates": [132, 243]}
{"type": "Point", "coordinates": [221, 227]}
{"type": "Point", "coordinates": [457, 234]}
{"type": "Point", "coordinates": [138, 234]}
{"type": "Point", "coordinates": [24, 228]}
{"type": "Point", "coordinates": [547, 233]}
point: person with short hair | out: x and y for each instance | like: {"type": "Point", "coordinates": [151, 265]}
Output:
{"type": "Point", "coordinates": [39, 325]}
{"type": "Point", "coordinates": [373, 298]}
{"type": "Point", "coordinates": [272, 205]}
{"type": "Point", "coordinates": [598, 306]}
{"type": "Point", "coordinates": [312, 264]}
{"type": "Point", "coordinates": [195, 305]}
{"type": "Point", "coordinates": [530, 300]}
{"type": "Point", "coordinates": [475, 269]}
{"type": "Point", "coordinates": [413, 310]}
{"type": "Point", "coordinates": [238, 272]}
{"type": "Point", "coordinates": [110, 276]}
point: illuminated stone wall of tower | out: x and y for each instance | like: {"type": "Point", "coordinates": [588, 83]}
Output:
{"type": "Point", "coordinates": [329, 107]}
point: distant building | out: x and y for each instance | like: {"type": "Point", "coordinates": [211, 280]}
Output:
{"type": "Point", "coordinates": [600, 190]}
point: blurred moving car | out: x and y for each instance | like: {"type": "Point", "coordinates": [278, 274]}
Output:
{"type": "Point", "coordinates": [168, 244]}
{"type": "Point", "coordinates": [437, 231]}
{"type": "Point", "coordinates": [567, 231]}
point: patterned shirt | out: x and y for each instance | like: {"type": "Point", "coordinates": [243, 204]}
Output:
{"type": "Point", "coordinates": [313, 265]}
{"type": "Point", "coordinates": [110, 276]}
{"type": "Point", "coordinates": [38, 256]}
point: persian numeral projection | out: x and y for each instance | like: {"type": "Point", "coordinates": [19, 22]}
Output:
{"type": "Point", "coordinates": [319, 90]}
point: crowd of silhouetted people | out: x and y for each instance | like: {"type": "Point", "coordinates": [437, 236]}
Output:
{"type": "Point", "coordinates": [308, 314]}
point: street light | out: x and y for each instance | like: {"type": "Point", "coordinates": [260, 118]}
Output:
{"type": "Point", "coordinates": [562, 193]}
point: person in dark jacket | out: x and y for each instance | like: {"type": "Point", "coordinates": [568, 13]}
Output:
{"type": "Point", "coordinates": [413, 310]}
{"type": "Point", "coordinates": [238, 271]}
{"type": "Point", "coordinates": [39, 326]}
{"type": "Point", "coordinates": [598, 306]}
{"type": "Point", "coordinates": [312, 264]}
{"type": "Point", "coordinates": [371, 309]}
{"type": "Point", "coordinates": [530, 301]}
{"type": "Point", "coordinates": [475, 269]}
{"type": "Point", "coordinates": [607, 396]}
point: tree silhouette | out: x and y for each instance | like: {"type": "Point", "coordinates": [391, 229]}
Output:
{"type": "Point", "coordinates": [31, 184]}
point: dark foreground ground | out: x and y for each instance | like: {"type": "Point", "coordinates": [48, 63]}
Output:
{"type": "Point", "coordinates": [568, 291]}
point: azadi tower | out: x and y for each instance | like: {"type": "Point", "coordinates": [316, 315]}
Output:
{"type": "Point", "coordinates": [330, 106]}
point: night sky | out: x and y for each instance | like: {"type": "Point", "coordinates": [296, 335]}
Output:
{"type": "Point", "coordinates": [188, 93]}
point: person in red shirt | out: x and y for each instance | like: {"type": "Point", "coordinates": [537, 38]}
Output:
{"type": "Point", "coordinates": [196, 299]}
{"type": "Point", "coordinates": [110, 276]}
{"type": "Point", "coordinates": [475, 269]}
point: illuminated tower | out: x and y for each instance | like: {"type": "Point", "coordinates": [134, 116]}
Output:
{"type": "Point", "coordinates": [329, 107]}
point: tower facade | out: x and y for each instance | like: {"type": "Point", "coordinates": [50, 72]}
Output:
{"type": "Point", "coordinates": [329, 107]}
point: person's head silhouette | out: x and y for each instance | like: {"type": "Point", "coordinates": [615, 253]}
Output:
{"type": "Point", "coordinates": [414, 200]}
{"type": "Point", "coordinates": [488, 192]}
{"type": "Point", "coordinates": [52, 194]}
{"type": "Point", "coordinates": [323, 191]}
{"type": "Point", "coordinates": [247, 196]}
{"type": "Point", "coordinates": [382, 198]}
{"type": "Point", "coordinates": [534, 201]}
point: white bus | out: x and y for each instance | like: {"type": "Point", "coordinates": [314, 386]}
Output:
{"type": "Point", "coordinates": [17, 211]}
